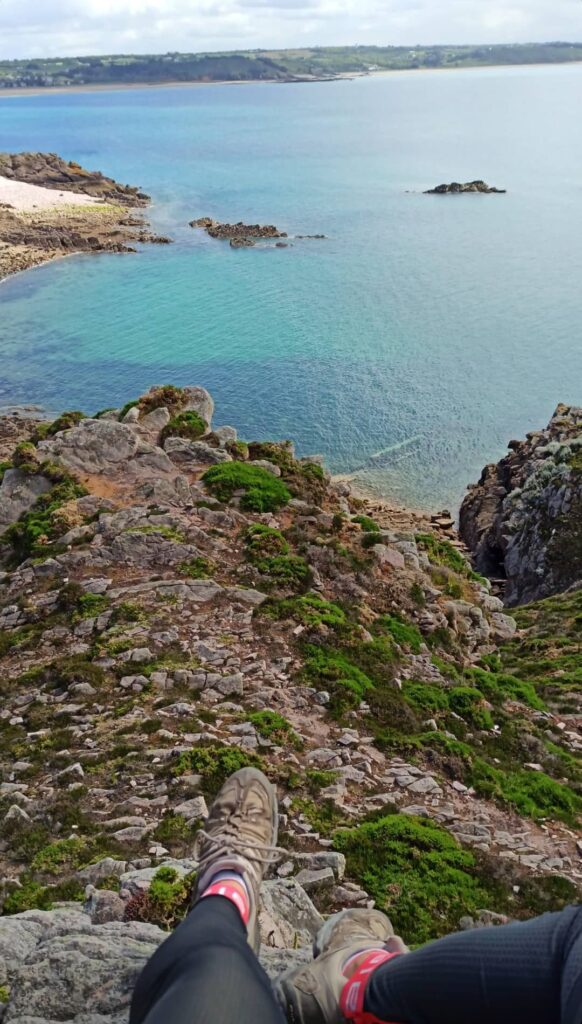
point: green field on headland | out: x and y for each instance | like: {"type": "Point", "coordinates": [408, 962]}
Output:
{"type": "Point", "coordinates": [272, 65]}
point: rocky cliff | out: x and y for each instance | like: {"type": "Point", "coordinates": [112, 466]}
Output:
{"type": "Point", "coordinates": [523, 520]}
{"type": "Point", "coordinates": [176, 603]}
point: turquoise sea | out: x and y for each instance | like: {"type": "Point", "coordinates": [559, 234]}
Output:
{"type": "Point", "coordinates": [408, 346]}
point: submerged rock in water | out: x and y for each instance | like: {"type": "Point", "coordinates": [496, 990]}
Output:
{"type": "Point", "coordinates": [456, 188]}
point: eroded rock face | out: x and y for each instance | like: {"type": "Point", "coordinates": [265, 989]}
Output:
{"type": "Point", "coordinates": [523, 520]}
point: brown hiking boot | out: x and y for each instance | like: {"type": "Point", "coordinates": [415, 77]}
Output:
{"type": "Point", "coordinates": [240, 836]}
{"type": "Point", "coordinates": [311, 994]}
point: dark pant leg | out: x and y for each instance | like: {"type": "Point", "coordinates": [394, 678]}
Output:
{"type": "Point", "coordinates": [205, 973]}
{"type": "Point", "coordinates": [526, 973]}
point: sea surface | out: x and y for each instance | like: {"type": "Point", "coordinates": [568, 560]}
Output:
{"type": "Point", "coordinates": [408, 346]}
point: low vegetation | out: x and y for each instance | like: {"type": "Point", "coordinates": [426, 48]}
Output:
{"type": "Point", "coordinates": [262, 492]}
{"type": "Point", "coordinates": [185, 424]}
{"type": "Point", "coordinates": [215, 764]}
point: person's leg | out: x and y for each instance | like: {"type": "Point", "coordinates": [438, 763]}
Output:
{"type": "Point", "coordinates": [529, 973]}
{"type": "Point", "coordinates": [524, 973]}
{"type": "Point", "coordinates": [206, 973]}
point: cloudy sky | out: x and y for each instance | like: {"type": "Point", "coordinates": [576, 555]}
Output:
{"type": "Point", "coordinates": [32, 28]}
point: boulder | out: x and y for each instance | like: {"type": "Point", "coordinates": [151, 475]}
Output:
{"type": "Point", "coordinates": [104, 447]}
{"type": "Point", "coordinates": [198, 400]}
{"type": "Point", "coordinates": [18, 493]}
{"type": "Point", "coordinates": [287, 916]}
{"type": "Point", "coordinates": [190, 454]}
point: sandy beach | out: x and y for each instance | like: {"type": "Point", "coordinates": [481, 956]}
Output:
{"type": "Point", "coordinates": [51, 208]}
{"type": "Point", "coordinates": [25, 198]}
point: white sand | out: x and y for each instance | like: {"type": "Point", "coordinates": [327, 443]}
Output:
{"type": "Point", "coordinates": [28, 198]}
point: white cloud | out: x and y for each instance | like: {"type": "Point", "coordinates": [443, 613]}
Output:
{"type": "Point", "coordinates": [64, 27]}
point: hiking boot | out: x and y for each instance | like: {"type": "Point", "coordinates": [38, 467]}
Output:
{"type": "Point", "coordinates": [311, 994]}
{"type": "Point", "coordinates": [240, 836]}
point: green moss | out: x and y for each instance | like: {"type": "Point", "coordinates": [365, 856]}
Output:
{"type": "Point", "coordinates": [166, 902]}
{"type": "Point", "coordinates": [424, 697]}
{"type": "Point", "coordinates": [263, 491]}
{"type": "Point", "coordinates": [90, 605]}
{"type": "Point", "coordinates": [128, 405]}
{"type": "Point", "coordinates": [264, 542]}
{"type": "Point", "coordinates": [417, 595]}
{"type": "Point", "coordinates": [310, 609]}
{"type": "Point", "coordinates": [312, 471]}
{"type": "Point", "coordinates": [273, 726]}
{"type": "Point", "coordinates": [323, 815]}
{"type": "Point", "coordinates": [215, 764]}
{"type": "Point", "coordinates": [289, 571]}
{"type": "Point", "coordinates": [442, 552]}
{"type": "Point", "coordinates": [35, 529]}
{"type": "Point", "coordinates": [404, 633]}
{"type": "Point", "coordinates": [185, 424]}
{"type": "Point", "coordinates": [127, 612]}
{"type": "Point", "coordinates": [62, 854]}
{"type": "Point", "coordinates": [4, 993]}
{"type": "Point", "coordinates": [25, 456]}
{"type": "Point", "coordinates": [416, 872]}
{"type": "Point", "coordinates": [329, 669]}
{"type": "Point", "coordinates": [468, 703]}
{"type": "Point", "coordinates": [267, 550]}
{"type": "Point", "coordinates": [32, 896]}
{"type": "Point", "coordinates": [198, 568]}
{"type": "Point", "coordinates": [533, 794]}
{"type": "Point", "coordinates": [175, 832]}
{"type": "Point", "coordinates": [499, 687]}
{"type": "Point", "coordinates": [65, 421]}
{"type": "Point", "coordinates": [318, 780]}
{"type": "Point", "coordinates": [16, 639]}
{"type": "Point", "coordinates": [367, 524]}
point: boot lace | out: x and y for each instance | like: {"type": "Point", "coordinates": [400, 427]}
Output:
{"type": "Point", "coordinates": [229, 840]}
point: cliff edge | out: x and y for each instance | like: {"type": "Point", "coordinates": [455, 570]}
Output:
{"type": "Point", "coordinates": [523, 520]}
{"type": "Point", "coordinates": [176, 603]}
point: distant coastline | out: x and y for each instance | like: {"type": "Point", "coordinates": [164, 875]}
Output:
{"type": "Point", "coordinates": [15, 93]}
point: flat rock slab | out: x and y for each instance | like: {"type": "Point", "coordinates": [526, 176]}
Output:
{"type": "Point", "coordinates": [61, 967]}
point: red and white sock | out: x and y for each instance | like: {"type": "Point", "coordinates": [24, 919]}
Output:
{"type": "Point", "coordinates": [233, 887]}
{"type": "Point", "coordinates": [354, 990]}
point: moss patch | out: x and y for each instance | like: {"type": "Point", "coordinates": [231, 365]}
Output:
{"type": "Point", "coordinates": [185, 424]}
{"type": "Point", "coordinates": [263, 492]}
{"type": "Point", "coordinates": [215, 764]}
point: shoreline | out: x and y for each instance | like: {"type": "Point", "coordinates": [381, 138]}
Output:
{"type": "Point", "coordinates": [81, 212]}
{"type": "Point", "coordinates": [340, 77]}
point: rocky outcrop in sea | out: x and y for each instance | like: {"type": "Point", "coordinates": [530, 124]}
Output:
{"type": "Point", "coordinates": [456, 188]}
{"type": "Point", "coordinates": [239, 235]}
{"type": "Point", "coordinates": [523, 520]}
